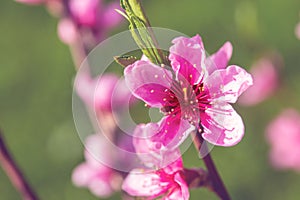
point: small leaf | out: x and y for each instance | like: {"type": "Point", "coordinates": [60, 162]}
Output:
{"type": "Point", "coordinates": [125, 60]}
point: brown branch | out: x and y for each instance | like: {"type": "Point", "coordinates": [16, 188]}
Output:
{"type": "Point", "coordinates": [217, 184]}
{"type": "Point", "coordinates": [14, 173]}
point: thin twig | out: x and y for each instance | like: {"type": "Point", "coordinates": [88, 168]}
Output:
{"type": "Point", "coordinates": [217, 183]}
{"type": "Point", "coordinates": [14, 173]}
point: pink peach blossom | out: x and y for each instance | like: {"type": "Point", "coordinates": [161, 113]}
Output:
{"type": "Point", "coordinates": [150, 147]}
{"type": "Point", "coordinates": [265, 79]}
{"type": "Point", "coordinates": [200, 94]}
{"type": "Point", "coordinates": [167, 183]}
{"type": "Point", "coordinates": [99, 93]}
{"type": "Point", "coordinates": [85, 11]}
{"type": "Point", "coordinates": [283, 134]}
{"type": "Point", "coordinates": [101, 180]}
{"type": "Point", "coordinates": [95, 13]}
{"type": "Point", "coordinates": [67, 31]}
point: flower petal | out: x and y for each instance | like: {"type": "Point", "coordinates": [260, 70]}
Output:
{"type": "Point", "coordinates": [219, 60]}
{"type": "Point", "coordinates": [226, 85]}
{"type": "Point", "coordinates": [83, 174]}
{"type": "Point", "coordinates": [96, 93]}
{"type": "Point", "coordinates": [101, 188]}
{"type": "Point", "coordinates": [175, 166]}
{"type": "Point", "coordinates": [172, 131]}
{"type": "Point", "coordinates": [97, 152]}
{"type": "Point", "coordinates": [148, 82]}
{"type": "Point", "coordinates": [110, 17]}
{"type": "Point", "coordinates": [142, 183]}
{"type": "Point", "coordinates": [150, 150]}
{"type": "Point", "coordinates": [181, 192]}
{"type": "Point", "coordinates": [223, 126]}
{"type": "Point", "coordinates": [187, 56]}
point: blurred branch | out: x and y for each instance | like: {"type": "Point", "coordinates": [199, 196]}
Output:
{"type": "Point", "coordinates": [14, 173]}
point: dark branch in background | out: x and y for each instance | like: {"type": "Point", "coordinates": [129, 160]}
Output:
{"type": "Point", "coordinates": [217, 184]}
{"type": "Point", "coordinates": [14, 173]}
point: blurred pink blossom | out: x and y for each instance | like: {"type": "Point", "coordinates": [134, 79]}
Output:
{"type": "Point", "coordinates": [67, 31]}
{"type": "Point", "coordinates": [265, 79]}
{"type": "Point", "coordinates": [95, 13]}
{"type": "Point", "coordinates": [85, 11]}
{"type": "Point", "coordinates": [283, 134]}
{"type": "Point", "coordinates": [167, 183]}
{"type": "Point", "coordinates": [101, 180]}
{"type": "Point", "coordinates": [102, 92]}
{"type": "Point", "coordinates": [203, 89]}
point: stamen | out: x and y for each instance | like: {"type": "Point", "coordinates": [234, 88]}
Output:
{"type": "Point", "coordinates": [185, 94]}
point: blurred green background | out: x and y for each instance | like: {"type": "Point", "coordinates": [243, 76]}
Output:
{"type": "Point", "coordinates": [36, 77]}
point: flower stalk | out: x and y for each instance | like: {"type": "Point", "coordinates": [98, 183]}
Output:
{"type": "Point", "coordinates": [217, 184]}
{"type": "Point", "coordinates": [14, 173]}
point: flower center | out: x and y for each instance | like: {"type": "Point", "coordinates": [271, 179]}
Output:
{"type": "Point", "coordinates": [186, 101]}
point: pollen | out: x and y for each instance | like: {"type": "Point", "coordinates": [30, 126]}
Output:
{"type": "Point", "coordinates": [151, 91]}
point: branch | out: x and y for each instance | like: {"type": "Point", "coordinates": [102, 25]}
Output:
{"type": "Point", "coordinates": [14, 173]}
{"type": "Point", "coordinates": [217, 184]}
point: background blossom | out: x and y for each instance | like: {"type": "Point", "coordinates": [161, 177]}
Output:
{"type": "Point", "coordinates": [283, 135]}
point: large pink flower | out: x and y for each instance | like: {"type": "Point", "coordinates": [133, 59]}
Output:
{"type": "Point", "coordinates": [265, 79]}
{"type": "Point", "coordinates": [197, 90]}
{"type": "Point", "coordinates": [100, 179]}
{"type": "Point", "coordinates": [167, 183]}
{"type": "Point", "coordinates": [283, 134]}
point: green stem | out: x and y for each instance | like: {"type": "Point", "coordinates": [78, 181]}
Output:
{"type": "Point", "coordinates": [142, 32]}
